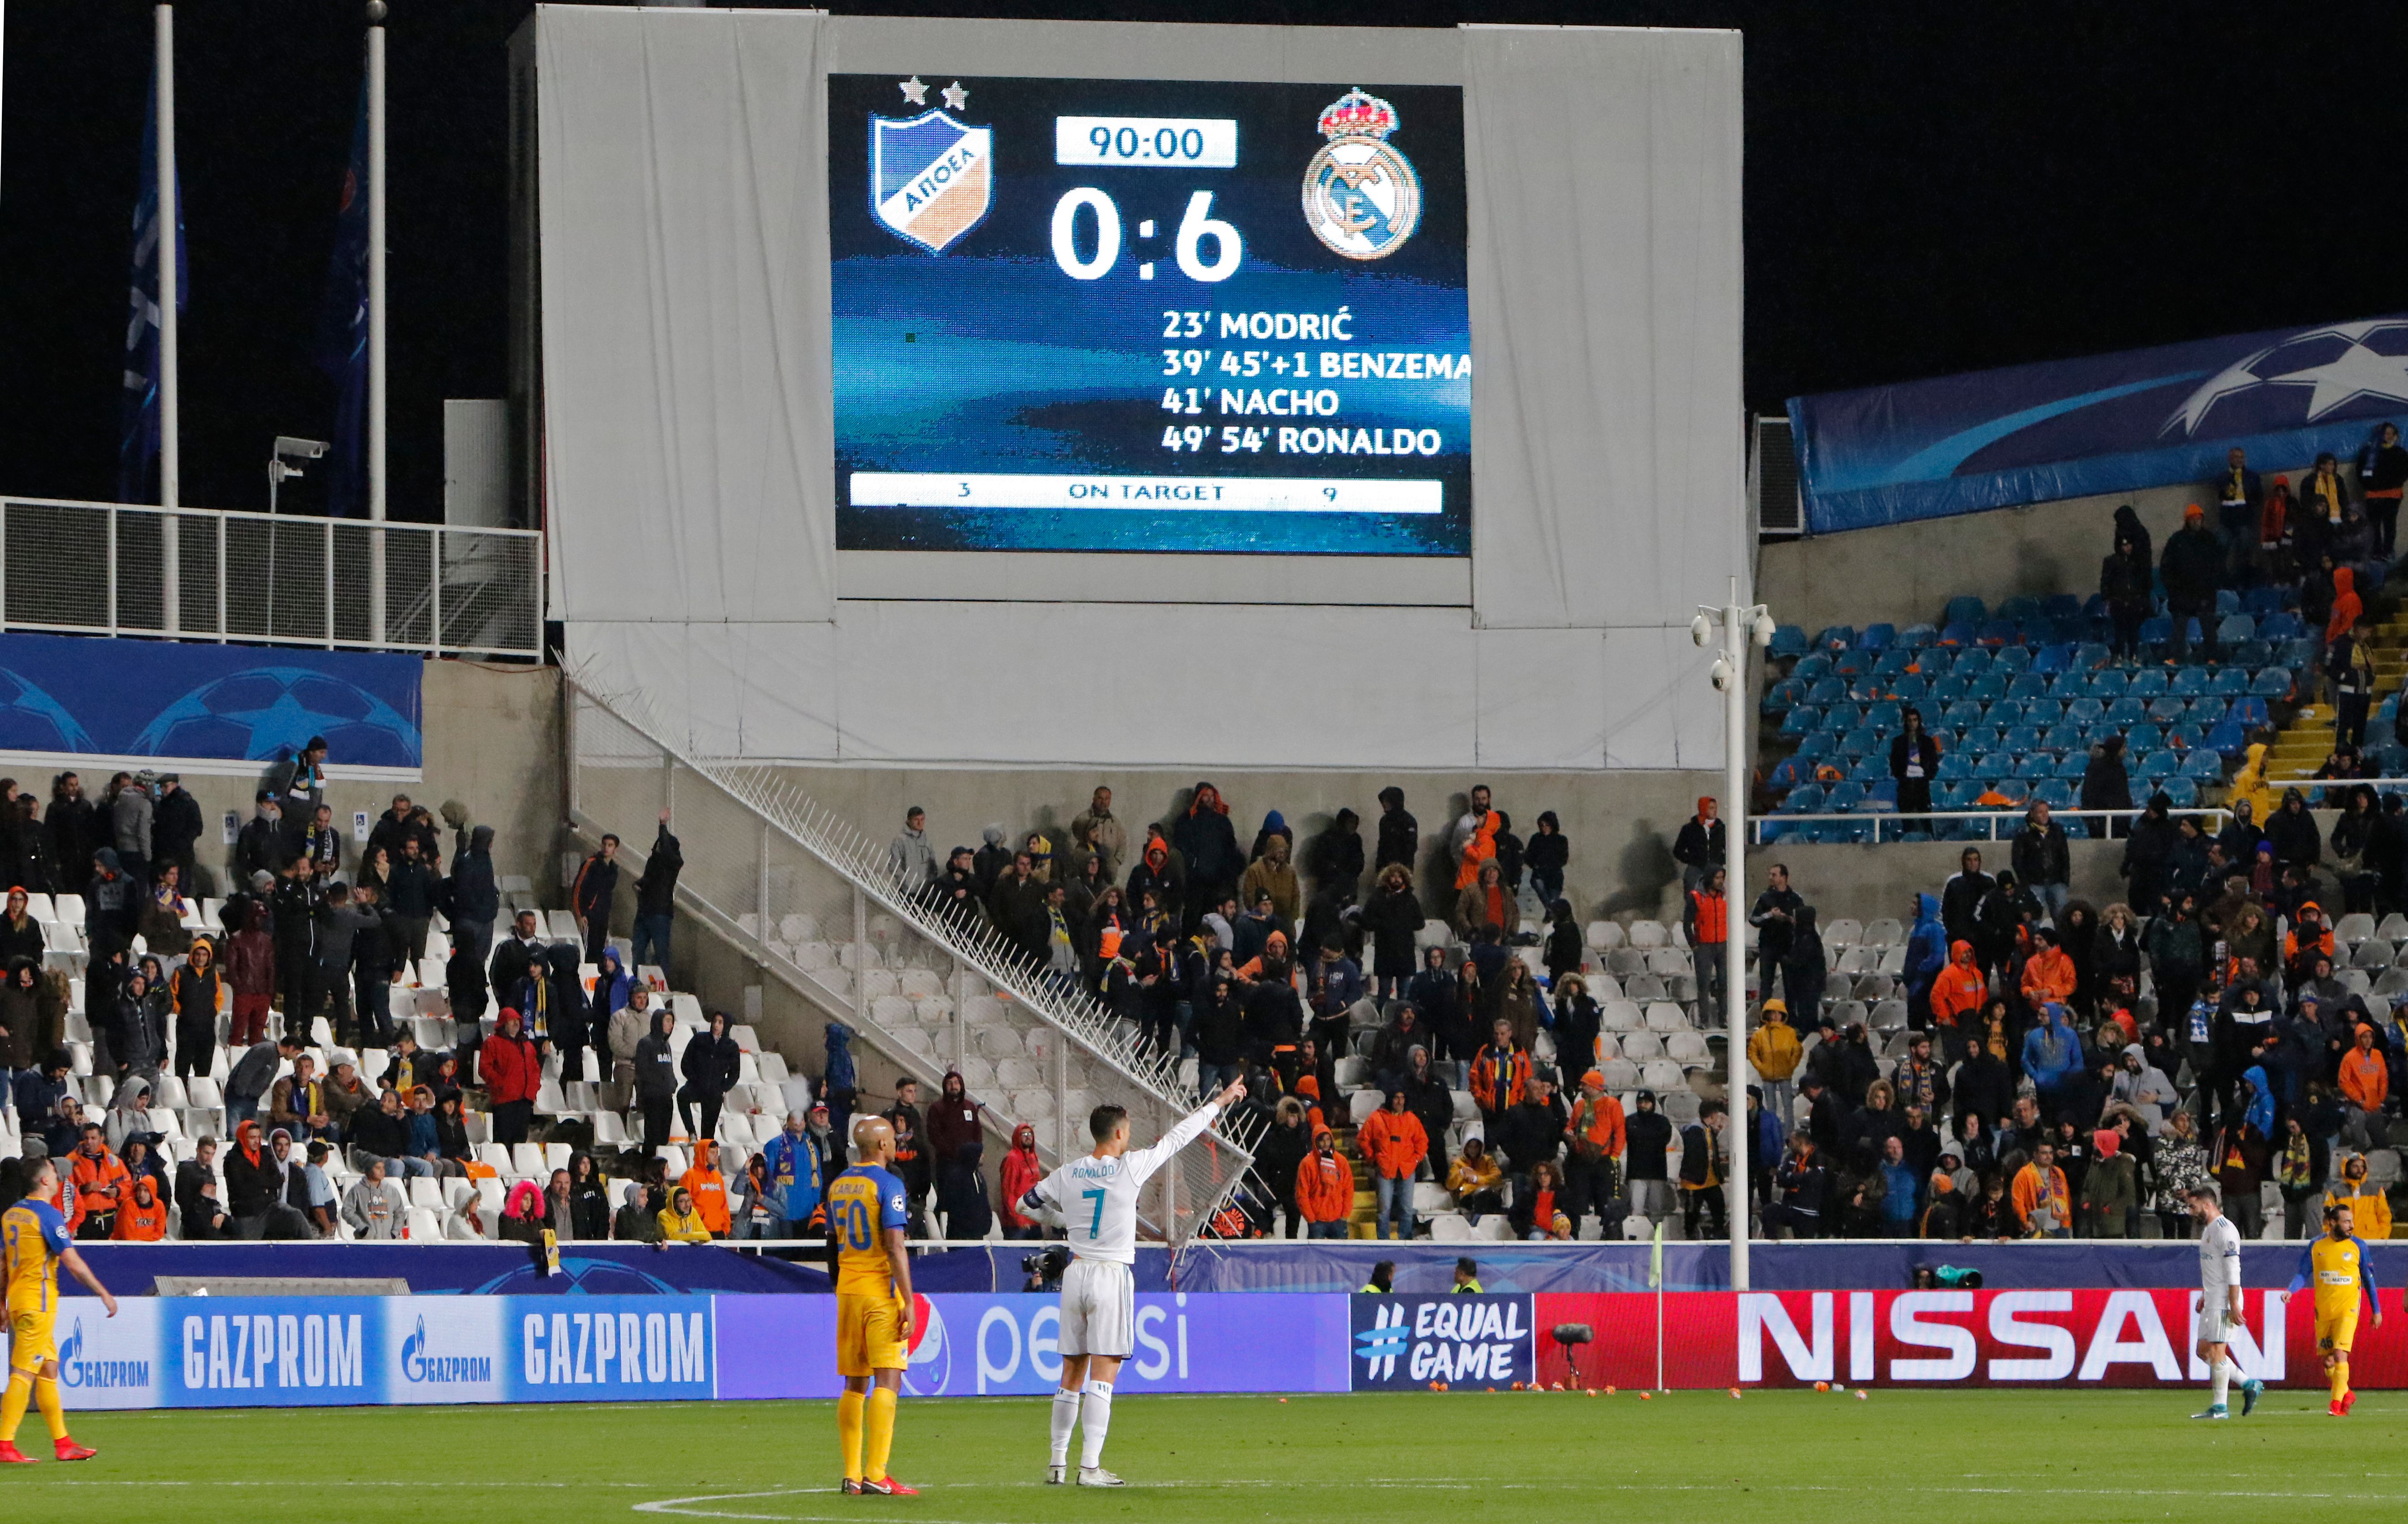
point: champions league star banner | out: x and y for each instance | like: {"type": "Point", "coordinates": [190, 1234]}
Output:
{"type": "Point", "coordinates": [2108, 423]}
{"type": "Point", "coordinates": [1126, 315]}
{"type": "Point", "coordinates": [216, 708]}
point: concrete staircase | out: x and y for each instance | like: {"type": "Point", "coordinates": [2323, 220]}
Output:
{"type": "Point", "coordinates": [2301, 747]}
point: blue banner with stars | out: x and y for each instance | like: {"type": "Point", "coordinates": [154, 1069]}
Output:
{"type": "Point", "coordinates": [210, 707]}
{"type": "Point", "coordinates": [2107, 424]}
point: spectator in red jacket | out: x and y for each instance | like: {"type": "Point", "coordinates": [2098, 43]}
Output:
{"type": "Point", "coordinates": [1393, 1140]}
{"type": "Point", "coordinates": [250, 974]}
{"type": "Point", "coordinates": [512, 1068]}
{"type": "Point", "coordinates": [1020, 1175]}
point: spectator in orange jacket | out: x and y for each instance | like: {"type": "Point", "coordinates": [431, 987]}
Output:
{"type": "Point", "coordinates": [143, 1219]}
{"type": "Point", "coordinates": [101, 1185]}
{"type": "Point", "coordinates": [709, 1193]}
{"type": "Point", "coordinates": [1499, 1075]}
{"type": "Point", "coordinates": [1961, 988]}
{"type": "Point", "coordinates": [2346, 606]}
{"type": "Point", "coordinates": [1325, 1188]}
{"type": "Point", "coordinates": [1021, 1171]}
{"type": "Point", "coordinates": [2043, 1200]}
{"type": "Point", "coordinates": [1598, 1137]}
{"type": "Point", "coordinates": [1393, 1140]}
{"type": "Point", "coordinates": [2365, 1080]}
{"type": "Point", "coordinates": [2048, 974]}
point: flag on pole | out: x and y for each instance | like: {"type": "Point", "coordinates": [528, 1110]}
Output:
{"type": "Point", "coordinates": [1655, 1261]}
{"type": "Point", "coordinates": [137, 451]}
{"type": "Point", "coordinates": [343, 332]}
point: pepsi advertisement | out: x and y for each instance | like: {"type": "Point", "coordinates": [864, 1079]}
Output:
{"type": "Point", "coordinates": [1103, 315]}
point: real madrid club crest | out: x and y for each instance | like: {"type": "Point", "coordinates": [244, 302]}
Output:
{"type": "Point", "coordinates": [931, 178]}
{"type": "Point", "coordinates": [1361, 196]}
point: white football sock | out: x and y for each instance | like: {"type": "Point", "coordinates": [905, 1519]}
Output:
{"type": "Point", "coordinates": [1066, 1417]}
{"type": "Point", "coordinates": [1095, 1419]}
{"type": "Point", "coordinates": [2219, 1380]}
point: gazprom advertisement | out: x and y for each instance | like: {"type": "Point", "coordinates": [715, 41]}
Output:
{"type": "Point", "coordinates": [1132, 315]}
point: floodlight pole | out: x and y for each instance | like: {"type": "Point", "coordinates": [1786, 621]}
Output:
{"type": "Point", "coordinates": [376, 392]}
{"type": "Point", "coordinates": [163, 19]}
{"type": "Point", "coordinates": [1738, 625]}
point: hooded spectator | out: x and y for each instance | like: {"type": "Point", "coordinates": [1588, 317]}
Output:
{"type": "Point", "coordinates": [1699, 845]}
{"type": "Point", "coordinates": [2192, 569]}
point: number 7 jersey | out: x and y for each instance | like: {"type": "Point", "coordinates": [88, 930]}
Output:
{"type": "Point", "coordinates": [1096, 1199]}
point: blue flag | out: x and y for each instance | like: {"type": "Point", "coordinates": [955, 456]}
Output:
{"type": "Point", "coordinates": [343, 332]}
{"type": "Point", "coordinates": [137, 450]}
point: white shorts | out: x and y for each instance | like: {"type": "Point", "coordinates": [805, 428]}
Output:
{"type": "Point", "coordinates": [2213, 1329]}
{"type": "Point", "coordinates": [1099, 1309]}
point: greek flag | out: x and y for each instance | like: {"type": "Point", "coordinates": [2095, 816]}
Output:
{"type": "Point", "coordinates": [137, 452]}
{"type": "Point", "coordinates": [343, 332]}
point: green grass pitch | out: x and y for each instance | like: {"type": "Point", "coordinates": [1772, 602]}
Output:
{"type": "Point", "coordinates": [1798, 1458]}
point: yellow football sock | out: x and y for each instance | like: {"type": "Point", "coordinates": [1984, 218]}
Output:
{"type": "Point", "coordinates": [46, 1396]}
{"type": "Point", "coordinates": [2340, 1379]}
{"type": "Point", "coordinates": [12, 1407]}
{"type": "Point", "coordinates": [881, 1429]}
{"type": "Point", "coordinates": [847, 1432]}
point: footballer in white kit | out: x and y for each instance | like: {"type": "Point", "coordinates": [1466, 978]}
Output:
{"type": "Point", "coordinates": [1093, 1199]}
{"type": "Point", "coordinates": [2219, 1301]}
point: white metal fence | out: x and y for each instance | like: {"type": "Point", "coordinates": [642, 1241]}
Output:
{"type": "Point", "coordinates": [814, 903]}
{"type": "Point", "coordinates": [116, 569]}
{"type": "Point", "coordinates": [1957, 824]}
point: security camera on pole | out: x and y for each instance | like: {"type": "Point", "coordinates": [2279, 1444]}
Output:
{"type": "Point", "coordinates": [1738, 625]}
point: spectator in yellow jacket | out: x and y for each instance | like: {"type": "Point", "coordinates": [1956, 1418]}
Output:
{"type": "Point", "coordinates": [1474, 1180]}
{"type": "Point", "coordinates": [680, 1222]}
{"type": "Point", "coordinates": [1774, 1052]}
{"type": "Point", "coordinates": [2369, 1208]}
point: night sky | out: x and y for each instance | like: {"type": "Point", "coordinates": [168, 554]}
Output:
{"type": "Point", "coordinates": [1929, 188]}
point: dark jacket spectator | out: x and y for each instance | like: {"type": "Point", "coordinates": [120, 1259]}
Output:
{"type": "Point", "coordinates": [2193, 565]}
{"type": "Point", "coordinates": [1961, 897]}
{"type": "Point", "coordinates": [657, 1068]}
{"type": "Point", "coordinates": [1698, 848]}
{"type": "Point", "coordinates": [656, 885]}
{"type": "Point", "coordinates": [475, 898]}
{"type": "Point", "coordinates": [2105, 784]}
{"type": "Point", "coordinates": [1336, 855]}
{"type": "Point", "coordinates": [1648, 1135]}
{"type": "Point", "coordinates": [1399, 833]}
{"type": "Point", "coordinates": [2040, 854]}
{"type": "Point", "coordinates": [1207, 842]}
{"type": "Point", "coordinates": [2293, 831]}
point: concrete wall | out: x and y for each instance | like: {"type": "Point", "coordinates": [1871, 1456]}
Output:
{"type": "Point", "coordinates": [1906, 573]}
{"type": "Point", "coordinates": [1621, 824]}
{"type": "Point", "coordinates": [493, 742]}
{"type": "Point", "coordinates": [1865, 882]}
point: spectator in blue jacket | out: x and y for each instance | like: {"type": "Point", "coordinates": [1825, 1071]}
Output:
{"type": "Point", "coordinates": [794, 1183]}
{"type": "Point", "coordinates": [2051, 1054]}
{"type": "Point", "coordinates": [1927, 954]}
{"type": "Point", "coordinates": [1902, 1203]}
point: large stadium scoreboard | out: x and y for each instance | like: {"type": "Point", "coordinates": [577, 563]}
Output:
{"type": "Point", "coordinates": [1078, 315]}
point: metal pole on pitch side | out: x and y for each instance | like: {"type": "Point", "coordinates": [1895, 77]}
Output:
{"type": "Point", "coordinates": [1737, 626]}
{"type": "Point", "coordinates": [376, 394]}
{"type": "Point", "coordinates": [170, 450]}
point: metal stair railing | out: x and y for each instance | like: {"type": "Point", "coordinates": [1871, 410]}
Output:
{"type": "Point", "coordinates": [621, 769]}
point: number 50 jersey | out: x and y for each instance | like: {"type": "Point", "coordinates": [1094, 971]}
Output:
{"type": "Point", "coordinates": [862, 1204]}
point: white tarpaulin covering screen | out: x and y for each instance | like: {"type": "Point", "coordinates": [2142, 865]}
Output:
{"type": "Point", "coordinates": [710, 404]}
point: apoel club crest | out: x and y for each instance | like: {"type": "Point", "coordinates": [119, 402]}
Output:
{"type": "Point", "coordinates": [931, 178]}
{"type": "Point", "coordinates": [1361, 196]}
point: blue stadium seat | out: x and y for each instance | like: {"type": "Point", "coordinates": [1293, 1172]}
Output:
{"type": "Point", "coordinates": [1787, 640]}
{"type": "Point", "coordinates": [2085, 711]}
{"type": "Point", "coordinates": [1805, 799]}
{"type": "Point", "coordinates": [2235, 628]}
{"type": "Point", "coordinates": [1828, 691]}
{"type": "Point", "coordinates": [2284, 625]}
{"type": "Point", "coordinates": [1871, 770]}
{"type": "Point", "coordinates": [1918, 635]}
{"type": "Point", "coordinates": [2373, 575]}
{"type": "Point", "coordinates": [2188, 682]}
{"type": "Point", "coordinates": [1860, 742]}
{"type": "Point", "coordinates": [2261, 602]}
{"type": "Point", "coordinates": [1989, 688]}
{"type": "Point", "coordinates": [2149, 683]}
{"type": "Point", "coordinates": [1843, 717]}
{"type": "Point", "coordinates": [1783, 694]}
{"type": "Point", "coordinates": [2071, 685]}
{"type": "Point", "coordinates": [2061, 605]}
{"type": "Point", "coordinates": [2109, 685]}
{"type": "Point", "coordinates": [2156, 630]}
{"type": "Point", "coordinates": [2020, 607]}
{"type": "Point", "coordinates": [2055, 794]}
{"type": "Point", "coordinates": [1959, 794]}
{"type": "Point", "coordinates": [2028, 686]}
{"type": "Point", "coordinates": [2091, 655]}
{"type": "Point", "coordinates": [2229, 683]}
{"type": "Point", "coordinates": [2271, 683]}
{"type": "Point", "coordinates": [1893, 664]}
{"type": "Point", "coordinates": [2204, 764]}
{"type": "Point", "coordinates": [2053, 659]}
{"type": "Point", "coordinates": [2181, 738]}
{"type": "Point", "coordinates": [2044, 712]}
{"type": "Point", "coordinates": [2144, 737]}
{"type": "Point", "coordinates": [1852, 663]}
{"type": "Point", "coordinates": [1997, 632]}
{"type": "Point", "coordinates": [2063, 737]}
{"type": "Point", "coordinates": [1957, 634]}
{"type": "Point", "coordinates": [2013, 659]}
{"type": "Point", "coordinates": [1800, 722]}
{"type": "Point", "coordinates": [1836, 637]}
{"type": "Point", "coordinates": [2124, 713]}
{"type": "Point", "coordinates": [2166, 711]}
{"type": "Point", "coordinates": [1847, 796]}
{"type": "Point", "coordinates": [2180, 792]}
{"type": "Point", "coordinates": [2228, 602]}
{"type": "Point", "coordinates": [2299, 655]}
{"type": "Point", "coordinates": [1961, 715]}
{"type": "Point", "coordinates": [1881, 795]}
{"type": "Point", "coordinates": [1966, 609]}
{"type": "Point", "coordinates": [2208, 713]}
{"type": "Point", "coordinates": [1954, 766]}
{"type": "Point", "coordinates": [2155, 766]}
{"type": "Point", "coordinates": [2250, 653]}
{"type": "Point", "coordinates": [1910, 688]}
{"type": "Point", "coordinates": [2022, 740]}
{"type": "Point", "coordinates": [1971, 663]}
{"type": "Point", "coordinates": [1815, 744]}
{"type": "Point", "coordinates": [1885, 718]}
{"type": "Point", "coordinates": [1812, 665]}
{"type": "Point", "coordinates": [1949, 690]}
{"type": "Point", "coordinates": [1789, 774]}
{"type": "Point", "coordinates": [1877, 637]}
{"type": "Point", "coordinates": [2074, 765]}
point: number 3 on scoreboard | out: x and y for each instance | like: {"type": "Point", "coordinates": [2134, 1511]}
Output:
{"type": "Point", "coordinates": [1096, 1223]}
